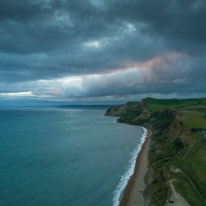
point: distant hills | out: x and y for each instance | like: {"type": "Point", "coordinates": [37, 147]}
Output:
{"type": "Point", "coordinates": [85, 106]}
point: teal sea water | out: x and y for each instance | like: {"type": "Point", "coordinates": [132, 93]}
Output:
{"type": "Point", "coordinates": [64, 157]}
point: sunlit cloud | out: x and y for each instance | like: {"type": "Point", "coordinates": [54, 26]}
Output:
{"type": "Point", "coordinates": [95, 44]}
{"type": "Point", "coordinates": [17, 94]}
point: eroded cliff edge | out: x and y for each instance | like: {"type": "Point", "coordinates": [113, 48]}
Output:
{"type": "Point", "coordinates": [172, 144]}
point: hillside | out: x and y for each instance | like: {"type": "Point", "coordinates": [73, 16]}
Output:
{"type": "Point", "coordinates": [177, 155]}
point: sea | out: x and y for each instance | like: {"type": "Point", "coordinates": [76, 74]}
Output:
{"type": "Point", "coordinates": [65, 157]}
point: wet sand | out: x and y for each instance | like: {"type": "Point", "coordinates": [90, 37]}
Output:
{"type": "Point", "coordinates": [133, 194]}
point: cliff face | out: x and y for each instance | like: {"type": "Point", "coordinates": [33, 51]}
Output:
{"type": "Point", "coordinates": [170, 142]}
{"type": "Point", "coordinates": [177, 130]}
{"type": "Point", "coordinates": [122, 110]}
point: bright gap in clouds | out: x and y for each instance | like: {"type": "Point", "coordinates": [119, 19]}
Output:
{"type": "Point", "coordinates": [93, 85]}
{"type": "Point", "coordinates": [95, 44]}
{"type": "Point", "coordinates": [17, 94]}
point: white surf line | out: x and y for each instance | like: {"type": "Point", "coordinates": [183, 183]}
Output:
{"type": "Point", "coordinates": [125, 178]}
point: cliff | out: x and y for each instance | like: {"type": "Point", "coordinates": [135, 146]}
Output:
{"type": "Point", "coordinates": [172, 145]}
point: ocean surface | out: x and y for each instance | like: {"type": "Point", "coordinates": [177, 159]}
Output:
{"type": "Point", "coordinates": [64, 157]}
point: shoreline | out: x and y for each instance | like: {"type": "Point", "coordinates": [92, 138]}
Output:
{"type": "Point", "coordinates": [133, 193]}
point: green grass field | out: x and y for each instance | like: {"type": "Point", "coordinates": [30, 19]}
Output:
{"type": "Point", "coordinates": [157, 104]}
{"type": "Point", "coordinates": [185, 187]}
{"type": "Point", "coordinates": [196, 161]}
{"type": "Point", "coordinates": [193, 188]}
{"type": "Point", "coordinates": [194, 119]}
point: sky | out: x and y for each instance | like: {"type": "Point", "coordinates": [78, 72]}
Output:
{"type": "Point", "coordinates": [100, 51]}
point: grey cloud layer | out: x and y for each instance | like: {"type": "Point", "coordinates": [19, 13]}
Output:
{"type": "Point", "coordinates": [49, 39]}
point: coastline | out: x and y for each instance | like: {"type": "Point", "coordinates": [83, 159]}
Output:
{"type": "Point", "coordinates": [133, 194]}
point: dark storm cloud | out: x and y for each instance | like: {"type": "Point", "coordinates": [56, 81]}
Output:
{"type": "Point", "coordinates": [47, 39]}
{"type": "Point", "coordinates": [58, 30]}
{"type": "Point", "coordinates": [180, 23]}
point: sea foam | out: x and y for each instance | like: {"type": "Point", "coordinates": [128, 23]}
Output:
{"type": "Point", "coordinates": [125, 178]}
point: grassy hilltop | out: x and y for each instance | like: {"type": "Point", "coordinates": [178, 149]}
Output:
{"type": "Point", "coordinates": [177, 155]}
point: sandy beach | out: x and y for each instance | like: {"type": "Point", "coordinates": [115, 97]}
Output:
{"type": "Point", "coordinates": [133, 194]}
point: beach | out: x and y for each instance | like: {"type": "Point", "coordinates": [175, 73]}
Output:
{"type": "Point", "coordinates": [133, 194]}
